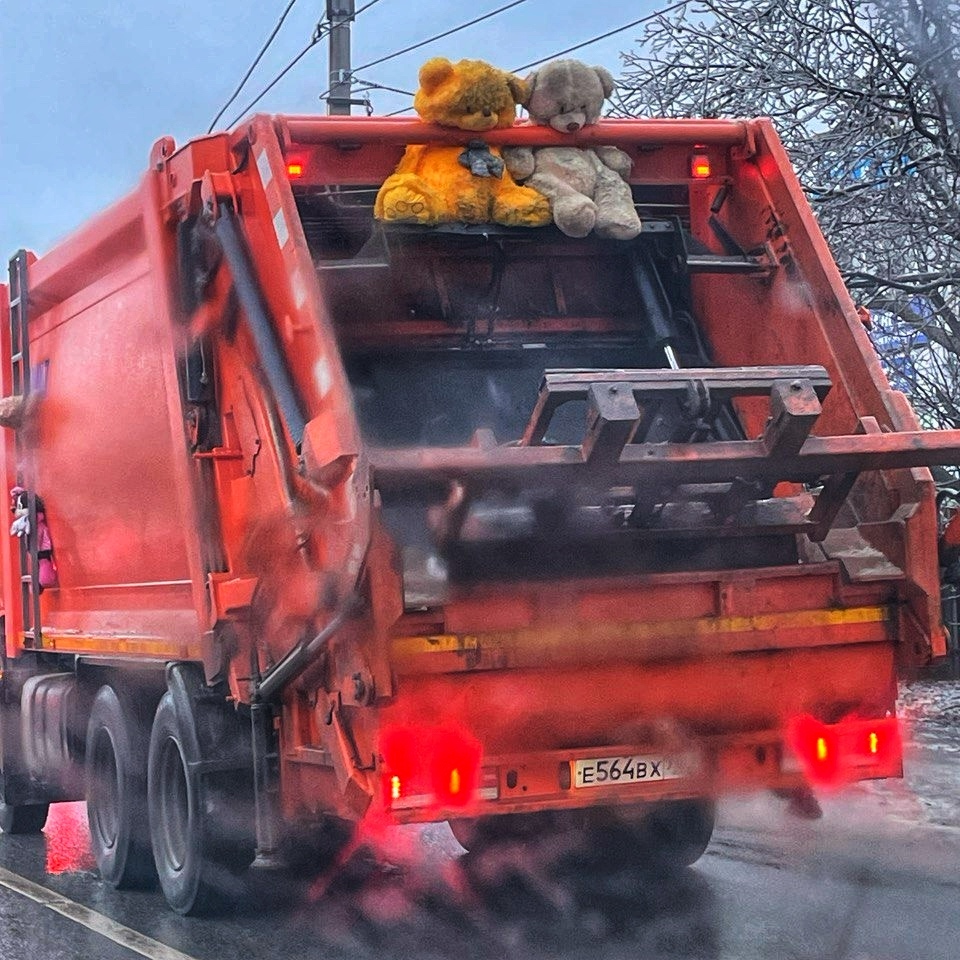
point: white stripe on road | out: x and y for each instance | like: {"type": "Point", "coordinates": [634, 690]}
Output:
{"type": "Point", "coordinates": [97, 922]}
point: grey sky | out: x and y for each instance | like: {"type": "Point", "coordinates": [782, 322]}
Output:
{"type": "Point", "coordinates": [86, 88]}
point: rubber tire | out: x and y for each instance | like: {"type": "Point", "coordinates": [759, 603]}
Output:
{"type": "Point", "coordinates": [197, 848]}
{"type": "Point", "coordinates": [23, 818]}
{"type": "Point", "coordinates": [680, 831]}
{"type": "Point", "coordinates": [662, 837]}
{"type": "Point", "coordinates": [116, 791]}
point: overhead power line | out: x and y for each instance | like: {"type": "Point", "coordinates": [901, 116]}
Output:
{"type": "Point", "coordinates": [371, 85]}
{"type": "Point", "coordinates": [366, 6]}
{"type": "Point", "coordinates": [584, 43]}
{"type": "Point", "coordinates": [321, 31]}
{"type": "Point", "coordinates": [438, 36]}
{"type": "Point", "coordinates": [318, 35]}
{"type": "Point", "coordinates": [603, 36]}
{"type": "Point", "coordinates": [253, 66]}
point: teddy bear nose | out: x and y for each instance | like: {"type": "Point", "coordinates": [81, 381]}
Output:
{"type": "Point", "coordinates": [486, 111]}
{"type": "Point", "coordinates": [573, 127]}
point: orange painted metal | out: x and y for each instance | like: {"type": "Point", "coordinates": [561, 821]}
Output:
{"type": "Point", "coordinates": [804, 312]}
{"type": "Point", "coordinates": [720, 709]}
{"type": "Point", "coordinates": [400, 130]}
{"type": "Point", "coordinates": [737, 763]}
{"type": "Point", "coordinates": [233, 546]}
{"type": "Point", "coordinates": [684, 463]}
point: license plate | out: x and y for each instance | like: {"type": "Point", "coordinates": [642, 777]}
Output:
{"type": "Point", "coordinates": [610, 771]}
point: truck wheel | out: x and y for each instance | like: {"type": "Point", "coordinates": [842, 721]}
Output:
{"type": "Point", "coordinates": [680, 831]}
{"type": "Point", "coordinates": [23, 818]}
{"type": "Point", "coordinates": [116, 784]}
{"type": "Point", "coordinates": [196, 846]}
{"type": "Point", "coordinates": [663, 836]}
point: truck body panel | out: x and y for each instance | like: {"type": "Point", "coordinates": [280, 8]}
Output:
{"type": "Point", "coordinates": [426, 510]}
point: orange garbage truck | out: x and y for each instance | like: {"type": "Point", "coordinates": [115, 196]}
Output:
{"type": "Point", "coordinates": [321, 521]}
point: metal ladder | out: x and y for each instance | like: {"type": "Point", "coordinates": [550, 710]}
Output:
{"type": "Point", "coordinates": [20, 380]}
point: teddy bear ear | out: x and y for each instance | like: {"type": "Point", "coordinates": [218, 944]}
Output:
{"type": "Point", "coordinates": [606, 80]}
{"type": "Point", "coordinates": [520, 89]}
{"type": "Point", "coordinates": [434, 72]}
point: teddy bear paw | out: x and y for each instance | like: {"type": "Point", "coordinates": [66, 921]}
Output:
{"type": "Point", "coordinates": [619, 224]}
{"type": "Point", "coordinates": [521, 207]}
{"type": "Point", "coordinates": [403, 199]}
{"type": "Point", "coordinates": [574, 215]}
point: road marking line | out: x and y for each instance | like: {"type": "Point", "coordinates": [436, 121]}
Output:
{"type": "Point", "coordinates": [97, 922]}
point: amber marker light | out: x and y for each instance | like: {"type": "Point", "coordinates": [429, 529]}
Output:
{"type": "Point", "coordinates": [700, 166]}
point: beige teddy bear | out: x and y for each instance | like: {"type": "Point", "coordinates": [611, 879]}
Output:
{"type": "Point", "coordinates": [587, 188]}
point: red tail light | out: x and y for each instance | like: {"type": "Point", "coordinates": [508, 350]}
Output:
{"type": "Point", "coordinates": [850, 750]}
{"type": "Point", "coordinates": [432, 766]}
{"type": "Point", "coordinates": [294, 169]}
{"type": "Point", "coordinates": [879, 741]}
{"type": "Point", "coordinates": [700, 166]}
{"type": "Point", "coordinates": [815, 745]}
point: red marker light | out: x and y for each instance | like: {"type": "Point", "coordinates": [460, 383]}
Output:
{"type": "Point", "coordinates": [429, 766]}
{"type": "Point", "coordinates": [815, 745]}
{"type": "Point", "coordinates": [834, 753]}
{"type": "Point", "coordinates": [700, 166]}
{"type": "Point", "coordinates": [294, 169]}
{"type": "Point", "coordinates": [880, 742]}
{"type": "Point", "coordinates": [454, 767]}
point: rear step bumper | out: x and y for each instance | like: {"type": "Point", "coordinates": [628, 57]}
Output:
{"type": "Point", "coordinates": [635, 774]}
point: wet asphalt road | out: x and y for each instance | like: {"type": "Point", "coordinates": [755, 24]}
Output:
{"type": "Point", "coordinates": [769, 887]}
{"type": "Point", "coordinates": [878, 877]}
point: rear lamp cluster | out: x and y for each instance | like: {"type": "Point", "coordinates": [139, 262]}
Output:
{"type": "Point", "coordinates": [700, 164]}
{"type": "Point", "coordinates": [432, 766]}
{"type": "Point", "coordinates": [834, 753]}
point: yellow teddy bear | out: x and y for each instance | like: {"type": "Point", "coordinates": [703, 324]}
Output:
{"type": "Point", "coordinates": [436, 183]}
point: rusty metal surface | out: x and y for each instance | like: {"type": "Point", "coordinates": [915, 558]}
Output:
{"type": "Point", "coordinates": [664, 462]}
{"type": "Point", "coordinates": [714, 384]}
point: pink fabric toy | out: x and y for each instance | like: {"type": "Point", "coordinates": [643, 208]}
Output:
{"type": "Point", "coordinates": [46, 565]}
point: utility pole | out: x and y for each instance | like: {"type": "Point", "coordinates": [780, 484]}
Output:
{"type": "Point", "coordinates": [339, 16]}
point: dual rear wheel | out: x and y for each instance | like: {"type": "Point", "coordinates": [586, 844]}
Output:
{"type": "Point", "coordinates": [153, 813]}
{"type": "Point", "coordinates": [157, 811]}
{"type": "Point", "coordinates": [116, 773]}
{"type": "Point", "coordinates": [200, 823]}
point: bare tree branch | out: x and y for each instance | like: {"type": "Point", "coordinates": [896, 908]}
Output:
{"type": "Point", "coordinates": [866, 96]}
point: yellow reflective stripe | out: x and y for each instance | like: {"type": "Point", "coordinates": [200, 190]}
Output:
{"type": "Point", "coordinates": [147, 646]}
{"type": "Point", "coordinates": [436, 643]}
{"type": "Point", "coordinates": [640, 630]}
{"type": "Point", "coordinates": [792, 619]}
